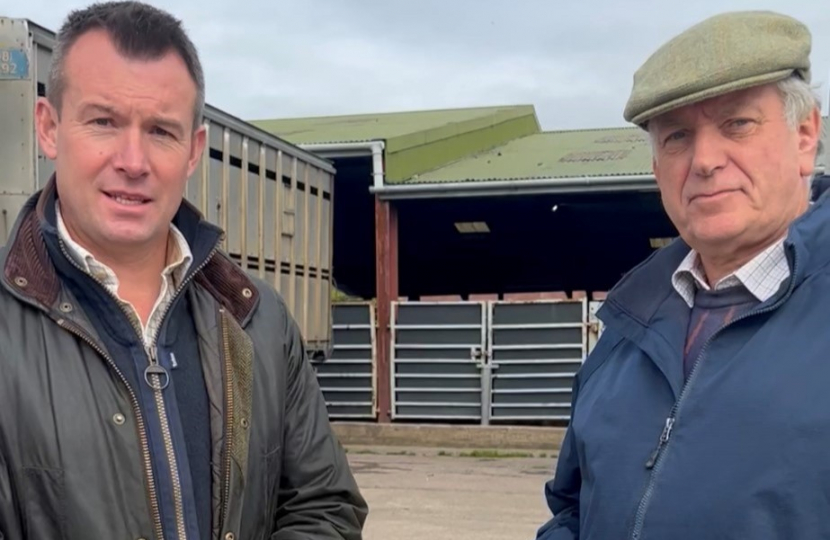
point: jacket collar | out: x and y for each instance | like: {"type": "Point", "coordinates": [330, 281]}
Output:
{"type": "Point", "coordinates": [30, 274]}
{"type": "Point", "coordinates": [647, 287]}
{"type": "Point", "coordinates": [645, 308]}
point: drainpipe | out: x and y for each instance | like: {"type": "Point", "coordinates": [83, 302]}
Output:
{"type": "Point", "coordinates": [355, 149]}
{"type": "Point", "coordinates": [377, 165]}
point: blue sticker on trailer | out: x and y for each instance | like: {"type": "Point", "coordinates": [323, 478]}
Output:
{"type": "Point", "coordinates": [14, 64]}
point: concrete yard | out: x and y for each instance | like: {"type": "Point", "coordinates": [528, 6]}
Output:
{"type": "Point", "coordinates": [434, 494]}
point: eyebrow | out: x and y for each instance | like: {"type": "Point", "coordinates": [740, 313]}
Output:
{"type": "Point", "coordinates": [166, 123]}
{"type": "Point", "coordinates": [176, 128]}
{"type": "Point", "coordinates": [88, 108]}
{"type": "Point", "coordinates": [667, 123]}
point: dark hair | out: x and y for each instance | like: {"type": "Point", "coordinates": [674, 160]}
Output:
{"type": "Point", "coordinates": [138, 31]}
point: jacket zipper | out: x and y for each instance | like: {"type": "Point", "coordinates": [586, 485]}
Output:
{"type": "Point", "coordinates": [154, 372]}
{"type": "Point", "coordinates": [154, 380]}
{"type": "Point", "coordinates": [152, 376]}
{"type": "Point", "coordinates": [664, 438]}
{"type": "Point", "coordinates": [654, 462]}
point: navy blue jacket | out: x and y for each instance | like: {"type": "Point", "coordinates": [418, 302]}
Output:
{"type": "Point", "coordinates": [740, 451]}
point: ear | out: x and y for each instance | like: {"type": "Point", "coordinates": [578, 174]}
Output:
{"type": "Point", "coordinates": [46, 124]}
{"type": "Point", "coordinates": [197, 146]}
{"type": "Point", "coordinates": [809, 132]}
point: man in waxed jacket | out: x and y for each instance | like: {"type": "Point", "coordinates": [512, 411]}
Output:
{"type": "Point", "coordinates": [150, 388]}
{"type": "Point", "coordinates": [704, 410]}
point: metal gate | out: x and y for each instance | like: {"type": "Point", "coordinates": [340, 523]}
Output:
{"type": "Point", "coordinates": [347, 377]}
{"type": "Point", "coordinates": [438, 352]}
{"type": "Point", "coordinates": [497, 361]}
{"type": "Point", "coordinates": [536, 348]}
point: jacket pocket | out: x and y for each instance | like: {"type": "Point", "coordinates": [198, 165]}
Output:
{"type": "Point", "coordinates": [44, 504]}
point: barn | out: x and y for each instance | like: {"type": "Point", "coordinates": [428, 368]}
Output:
{"type": "Point", "coordinates": [471, 248]}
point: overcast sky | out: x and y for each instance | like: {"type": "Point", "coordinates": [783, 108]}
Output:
{"type": "Point", "coordinates": [572, 60]}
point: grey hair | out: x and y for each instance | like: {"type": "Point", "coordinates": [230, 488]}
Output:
{"type": "Point", "coordinates": [800, 100]}
{"type": "Point", "coordinates": [138, 31]}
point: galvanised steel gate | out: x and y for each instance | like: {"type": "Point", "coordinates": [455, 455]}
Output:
{"type": "Point", "coordinates": [499, 361]}
{"type": "Point", "coordinates": [438, 352]}
{"type": "Point", "coordinates": [536, 348]}
{"type": "Point", "coordinates": [347, 377]}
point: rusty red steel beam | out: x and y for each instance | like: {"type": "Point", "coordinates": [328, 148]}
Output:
{"type": "Point", "coordinates": [386, 279]}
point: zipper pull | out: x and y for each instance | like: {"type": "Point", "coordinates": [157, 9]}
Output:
{"type": "Point", "coordinates": [155, 374]}
{"type": "Point", "coordinates": [664, 438]}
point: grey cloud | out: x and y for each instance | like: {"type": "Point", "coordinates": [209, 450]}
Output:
{"type": "Point", "coordinates": [572, 60]}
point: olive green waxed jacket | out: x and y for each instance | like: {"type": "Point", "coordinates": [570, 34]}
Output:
{"type": "Point", "coordinates": [74, 459]}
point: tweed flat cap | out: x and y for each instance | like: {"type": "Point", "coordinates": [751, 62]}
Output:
{"type": "Point", "coordinates": [727, 52]}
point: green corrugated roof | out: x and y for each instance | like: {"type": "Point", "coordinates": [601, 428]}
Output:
{"type": "Point", "coordinates": [553, 154]}
{"type": "Point", "coordinates": [417, 141]}
{"type": "Point", "coordinates": [480, 144]}
{"type": "Point", "coordinates": [387, 126]}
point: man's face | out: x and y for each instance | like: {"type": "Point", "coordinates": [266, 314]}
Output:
{"type": "Point", "coordinates": [731, 170]}
{"type": "Point", "coordinates": [124, 145]}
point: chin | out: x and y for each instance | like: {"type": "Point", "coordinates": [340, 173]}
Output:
{"type": "Point", "coordinates": [716, 231]}
{"type": "Point", "coordinates": [128, 237]}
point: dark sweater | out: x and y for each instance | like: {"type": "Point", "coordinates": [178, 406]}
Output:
{"type": "Point", "coordinates": [711, 311]}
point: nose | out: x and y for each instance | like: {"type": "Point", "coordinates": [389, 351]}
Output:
{"type": "Point", "coordinates": [131, 157]}
{"type": "Point", "coordinates": [709, 154]}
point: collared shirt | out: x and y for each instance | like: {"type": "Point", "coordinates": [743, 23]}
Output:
{"type": "Point", "coordinates": [762, 276]}
{"type": "Point", "coordinates": [179, 258]}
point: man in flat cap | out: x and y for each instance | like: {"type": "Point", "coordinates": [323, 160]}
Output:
{"type": "Point", "coordinates": [704, 410]}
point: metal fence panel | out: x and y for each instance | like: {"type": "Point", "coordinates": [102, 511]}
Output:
{"type": "Point", "coordinates": [347, 377]}
{"type": "Point", "coordinates": [536, 348]}
{"type": "Point", "coordinates": [437, 352]}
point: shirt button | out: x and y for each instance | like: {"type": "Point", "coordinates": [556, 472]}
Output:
{"type": "Point", "coordinates": [229, 536]}
{"type": "Point", "coordinates": [119, 420]}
